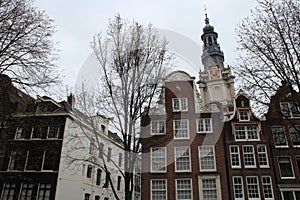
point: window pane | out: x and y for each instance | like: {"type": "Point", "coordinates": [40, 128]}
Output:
{"type": "Point", "coordinates": [249, 157]}
{"type": "Point", "coordinates": [235, 156]}
{"type": "Point", "coordinates": [279, 136]}
{"type": "Point", "coordinates": [159, 189]}
{"type": "Point", "coordinates": [26, 191]}
{"type": "Point", "coordinates": [285, 165]}
{"type": "Point", "coordinates": [158, 127]}
{"type": "Point", "coordinates": [267, 187]}
{"type": "Point", "coordinates": [238, 188]}
{"type": "Point", "coordinates": [35, 159]}
{"type": "Point", "coordinates": [209, 189]}
{"type": "Point", "coordinates": [207, 158]}
{"type": "Point", "coordinates": [295, 135]}
{"type": "Point", "coordinates": [158, 159]}
{"type": "Point", "coordinates": [252, 188]}
{"type": "Point", "coordinates": [17, 160]}
{"type": "Point", "coordinates": [181, 128]}
{"type": "Point", "coordinates": [44, 191]}
{"type": "Point", "coordinates": [184, 189]}
{"type": "Point", "coordinates": [182, 157]}
{"type": "Point", "coordinates": [262, 156]}
{"type": "Point", "coordinates": [8, 191]}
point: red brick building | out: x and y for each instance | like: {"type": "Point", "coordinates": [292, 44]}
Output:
{"type": "Point", "coordinates": [183, 155]}
{"type": "Point", "coordinates": [283, 123]}
{"type": "Point", "coordinates": [249, 161]}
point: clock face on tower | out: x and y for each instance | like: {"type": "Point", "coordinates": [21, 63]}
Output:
{"type": "Point", "coordinates": [215, 72]}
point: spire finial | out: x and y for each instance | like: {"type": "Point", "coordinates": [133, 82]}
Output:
{"type": "Point", "coordinates": [206, 18]}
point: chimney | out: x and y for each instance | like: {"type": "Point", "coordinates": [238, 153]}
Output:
{"type": "Point", "coordinates": [71, 100]}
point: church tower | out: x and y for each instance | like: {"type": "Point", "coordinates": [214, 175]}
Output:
{"type": "Point", "coordinates": [216, 82]}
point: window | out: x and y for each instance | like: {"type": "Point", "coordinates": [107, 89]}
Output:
{"type": "Point", "coordinates": [279, 136]}
{"type": "Point", "coordinates": [243, 133]}
{"type": "Point", "coordinates": [267, 187]}
{"type": "Point", "coordinates": [181, 128]}
{"type": "Point", "coordinates": [158, 127]}
{"type": "Point", "coordinates": [120, 159]}
{"type": "Point", "coordinates": [106, 183]}
{"type": "Point", "coordinates": [295, 135]}
{"type": "Point", "coordinates": [158, 189]}
{"type": "Point", "coordinates": [97, 197]}
{"type": "Point", "coordinates": [158, 159]}
{"type": "Point", "coordinates": [244, 115]}
{"type": "Point", "coordinates": [249, 156]}
{"type": "Point", "coordinates": [51, 160]}
{"type": "Point", "coordinates": [26, 191]}
{"type": "Point", "coordinates": [298, 163]}
{"type": "Point", "coordinates": [262, 156]}
{"type": "Point", "coordinates": [23, 133]}
{"type": "Point", "coordinates": [289, 109]}
{"type": "Point", "coordinates": [44, 191]}
{"type": "Point", "coordinates": [98, 176]}
{"type": "Point", "coordinates": [39, 132]}
{"type": "Point", "coordinates": [180, 104]}
{"type": "Point", "coordinates": [235, 157]}
{"type": "Point", "coordinates": [108, 154]}
{"type": "Point", "coordinates": [252, 188]}
{"type": "Point", "coordinates": [54, 132]}
{"type": "Point", "coordinates": [238, 190]}
{"type": "Point", "coordinates": [184, 189]}
{"type": "Point", "coordinates": [119, 183]}
{"type": "Point", "coordinates": [92, 148]}
{"type": "Point", "coordinates": [89, 171]}
{"type": "Point", "coordinates": [17, 160]}
{"type": "Point", "coordinates": [286, 168]}
{"type": "Point", "coordinates": [101, 147]}
{"type": "Point", "coordinates": [182, 159]}
{"type": "Point", "coordinates": [207, 158]}
{"type": "Point", "coordinates": [8, 191]}
{"type": "Point", "coordinates": [209, 187]}
{"type": "Point", "coordinates": [35, 159]}
{"type": "Point", "coordinates": [204, 125]}
{"type": "Point", "coordinates": [87, 196]}
{"type": "Point", "coordinates": [290, 195]}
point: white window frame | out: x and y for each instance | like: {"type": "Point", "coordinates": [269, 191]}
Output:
{"type": "Point", "coordinates": [244, 115]}
{"type": "Point", "coordinates": [246, 129]}
{"type": "Point", "coordinates": [236, 154]}
{"type": "Point", "coordinates": [267, 186]}
{"type": "Point", "coordinates": [218, 185]}
{"type": "Point", "coordinates": [180, 104]}
{"type": "Point", "coordinates": [44, 191]}
{"type": "Point", "coordinates": [159, 190]}
{"type": "Point", "coordinates": [250, 185]}
{"type": "Point", "coordinates": [164, 167]}
{"type": "Point", "coordinates": [29, 187]}
{"type": "Point", "coordinates": [204, 122]}
{"type": "Point", "coordinates": [291, 164]}
{"type": "Point", "coordinates": [262, 155]}
{"type": "Point", "coordinates": [190, 189]}
{"type": "Point", "coordinates": [273, 128]}
{"type": "Point", "coordinates": [203, 156]}
{"type": "Point", "coordinates": [249, 153]}
{"type": "Point", "coordinates": [181, 129]}
{"type": "Point", "coordinates": [289, 190]}
{"type": "Point", "coordinates": [241, 185]}
{"type": "Point", "coordinates": [289, 112]}
{"type": "Point", "coordinates": [295, 134]}
{"type": "Point", "coordinates": [177, 156]}
{"type": "Point", "coordinates": [160, 124]}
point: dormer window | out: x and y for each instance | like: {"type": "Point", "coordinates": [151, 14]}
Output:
{"type": "Point", "coordinates": [179, 104]}
{"type": "Point", "coordinates": [244, 115]}
{"type": "Point", "coordinates": [290, 109]}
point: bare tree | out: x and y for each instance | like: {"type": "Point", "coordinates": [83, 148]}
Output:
{"type": "Point", "coordinates": [133, 62]}
{"type": "Point", "coordinates": [27, 52]}
{"type": "Point", "coordinates": [269, 46]}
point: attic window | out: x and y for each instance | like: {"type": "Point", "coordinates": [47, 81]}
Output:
{"type": "Point", "coordinates": [244, 115]}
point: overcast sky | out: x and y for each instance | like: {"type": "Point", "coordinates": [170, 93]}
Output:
{"type": "Point", "coordinates": [78, 21]}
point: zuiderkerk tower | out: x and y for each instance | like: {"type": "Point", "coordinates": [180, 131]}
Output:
{"type": "Point", "coordinates": [215, 81]}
